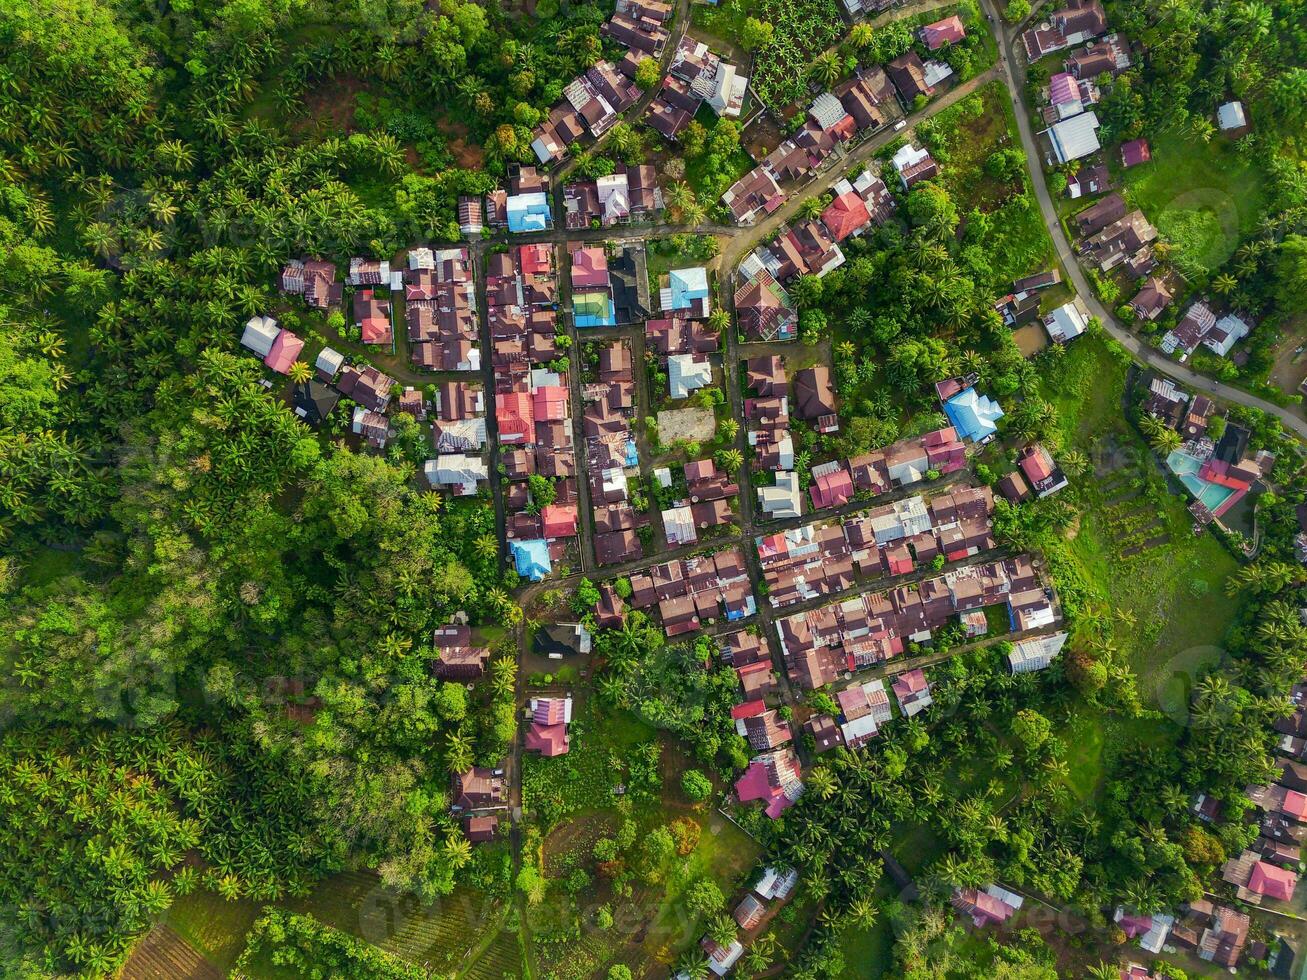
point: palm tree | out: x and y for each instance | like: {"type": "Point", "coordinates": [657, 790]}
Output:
{"type": "Point", "coordinates": [826, 69]}
{"type": "Point", "coordinates": [1166, 441]}
{"type": "Point", "coordinates": [1225, 283]}
{"type": "Point", "coordinates": [300, 373]}
{"type": "Point", "coordinates": [486, 546]}
{"type": "Point", "coordinates": [821, 782]}
{"type": "Point", "coordinates": [1074, 462]}
{"type": "Point", "coordinates": [861, 36]}
{"type": "Point", "coordinates": [693, 964]}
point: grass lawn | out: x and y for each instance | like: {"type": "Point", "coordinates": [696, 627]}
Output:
{"type": "Point", "coordinates": [1203, 198]}
{"type": "Point", "coordinates": [868, 952]}
{"type": "Point", "coordinates": [214, 927]}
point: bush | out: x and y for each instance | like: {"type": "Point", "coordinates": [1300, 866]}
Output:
{"type": "Point", "coordinates": [696, 785]}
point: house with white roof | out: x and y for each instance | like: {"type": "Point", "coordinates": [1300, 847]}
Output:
{"type": "Point", "coordinates": [1067, 322]}
{"type": "Point", "coordinates": [1071, 139]}
{"type": "Point", "coordinates": [260, 334]}
{"type": "Point", "coordinates": [1034, 654]}
{"type": "Point", "coordinates": [687, 373]}
{"type": "Point", "coordinates": [458, 472]}
{"type": "Point", "coordinates": [782, 500]}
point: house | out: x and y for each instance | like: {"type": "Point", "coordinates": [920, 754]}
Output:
{"type": "Point", "coordinates": [610, 610]}
{"type": "Point", "coordinates": [721, 958]}
{"type": "Point", "coordinates": [456, 657]}
{"type": "Point", "coordinates": [765, 731]}
{"type": "Point", "coordinates": [1119, 241]}
{"type": "Point", "coordinates": [687, 373]}
{"type": "Point", "coordinates": [1068, 96]}
{"type": "Point", "coordinates": [368, 272]}
{"type": "Point", "coordinates": [1153, 297]}
{"type": "Point", "coordinates": [1109, 56]}
{"type": "Point", "coordinates": [1072, 25]}
{"type": "Point", "coordinates": [368, 387]}
{"type": "Point", "coordinates": [1013, 487]}
{"type": "Point", "coordinates": [1225, 933]}
{"type": "Point", "coordinates": [774, 778]}
{"type": "Point", "coordinates": [1135, 152]}
{"type": "Point", "coordinates": [750, 912]}
{"type": "Point", "coordinates": [1193, 327]}
{"type": "Point", "coordinates": [950, 30]}
{"type": "Point", "coordinates": [557, 640]}
{"type": "Point", "coordinates": [478, 789]}
{"type": "Point", "coordinates": [753, 194]}
{"type": "Point", "coordinates": [912, 691]}
{"type": "Point", "coordinates": [1041, 471]}
{"type": "Point", "coordinates": [914, 164]}
{"type": "Point", "coordinates": [470, 221]}
{"type": "Point", "coordinates": [1089, 180]}
{"type": "Point", "coordinates": [480, 829]}
{"type": "Point", "coordinates": [458, 472]}
{"type": "Point", "coordinates": [1255, 879]}
{"type": "Point", "coordinates": [1074, 138]}
{"type": "Point", "coordinates": [1067, 322]}
{"type": "Point", "coordinates": [372, 426]}
{"type": "Point", "coordinates": [1231, 119]}
{"type": "Point", "coordinates": [814, 398]}
{"type": "Point", "coordinates": [974, 416]}
{"type": "Point", "coordinates": [314, 401]}
{"type": "Point", "coordinates": [686, 291]}
{"type": "Point", "coordinates": [909, 77]}
{"type": "Point", "coordinates": [1223, 335]}
{"type": "Point", "coordinates": [372, 317]}
{"type": "Point", "coordinates": [283, 352]}
{"type": "Point", "coordinates": [1165, 401]}
{"type": "Point", "coordinates": [832, 486]}
{"type": "Point", "coordinates": [531, 558]}
{"type": "Point", "coordinates": [1100, 215]}
{"type": "Point", "coordinates": [261, 332]}
{"type": "Point", "coordinates": [992, 906]}
{"type": "Point", "coordinates": [315, 281]}
{"type": "Point", "coordinates": [1150, 931]}
{"type": "Point", "coordinates": [781, 500]}
{"type": "Point", "coordinates": [1036, 653]}
{"type": "Point", "coordinates": [763, 309]}
{"type": "Point", "coordinates": [547, 731]}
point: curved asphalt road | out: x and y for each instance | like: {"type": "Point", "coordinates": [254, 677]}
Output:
{"type": "Point", "coordinates": [1014, 75]}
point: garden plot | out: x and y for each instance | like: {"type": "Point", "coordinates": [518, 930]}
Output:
{"type": "Point", "coordinates": [686, 425]}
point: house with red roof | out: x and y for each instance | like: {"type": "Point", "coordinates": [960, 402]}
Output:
{"type": "Point", "coordinates": [832, 486]}
{"type": "Point", "coordinates": [913, 691]}
{"type": "Point", "coordinates": [1135, 152]}
{"type": "Point", "coordinates": [547, 733]}
{"type": "Point", "coordinates": [284, 352]}
{"type": "Point", "coordinates": [774, 778]}
{"type": "Point", "coordinates": [589, 268]}
{"type": "Point", "coordinates": [846, 215]}
{"type": "Point", "coordinates": [372, 317]}
{"type": "Point", "coordinates": [1040, 470]}
{"type": "Point", "coordinates": [558, 521]}
{"type": "Point", "coordinates": [950, 30]}
{"type": "Point", "coordinates": [1255, 879]}
{"type": "Point", "coordinates": [515, 417]}
{"type": "Point", "coordinates": [549, 403]}
{"type": "Point", "coordinates": [992, 906]}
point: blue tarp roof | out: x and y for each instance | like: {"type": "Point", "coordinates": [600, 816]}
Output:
{"type": "Point", "coordinates": [973, 415]}
{"type": "Point", "coordinates": [531, 558]}
{"type": "Point", "coordinates": [528, 212]}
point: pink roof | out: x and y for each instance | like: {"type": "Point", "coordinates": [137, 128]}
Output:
{"type": "Point", "coordinates": [909, 683]}
{"type": "Point", "coordinates": [558, 521]}
{"type": "Point", "coordinates": [548, 740]}
{"type": "Point", "coordinates": [757, 784]}
{"type": "Point", "coordinates": [1135, 925]}
{"type": "Point", "coordinates": [832, 489]}
{"type": "Point", "coordinates": [845, 215]}
{"type": "Point", "coordinates": [949, 30]}
{"type": "Point", "coordinates": [550, 711]}
{"type": "Point", "coordinates": [589, 267]}
{"type": "Point", "coordinates": [1135, 152]}
{"type": "Point", "coordinates": [1063, 88]}
{"type": "Point", "coordinates": [1295, 804]}
{"type": "Point", "coordinates": [1271, 881]}
{"type": "Point", "coordinates": [550, 403]}
{"type": "Point", "coordinates": [513, 413]}
{"type": "Point", "coordinates": [1036, 463]}
{"type": "Point", "coordinates": [285, 349]}
{"type": "Point", "coordinates": [535, 259]}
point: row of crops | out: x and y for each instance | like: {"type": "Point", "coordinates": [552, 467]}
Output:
{"type": "Point", "coordinates": [802, 30]}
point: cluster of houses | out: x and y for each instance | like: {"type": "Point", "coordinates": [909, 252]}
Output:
{"type": "Point", "coordinates": [1021, 306]}
{"type": "Point", "coordinates": [1112, 237]}
{"type": "Point", "coordinates": [865, 707]}
{"type": "Point", "coordinates": [682, 347]}
{"type": "Point", "coordinates": [763, 309]}
{"type": "Point", "coordinates": [533, 413]}
{"type": "Point", "coordinates": [755, 909]}
{"type": "Point", "coordinates": [479, 798]}
{"type": "Point", "coordinates": [858, 107]}
{"type": "Point", "coordinates": [891, 540]}
{"type": "Point", "coordinates": [690, 593]}
{"type": "Point", "coordinates": [868, 629]}
{"type": "Point", "coordinates": [593, 102]}
{"type": "Point", "coordinates": [521, 208]}
{"type": "Point", "coordinates": [1200, 326]}
{"type": "Point", "coordinates": [811, 246]}
{"type": "Point", "coordinates": [458, 431]}
{"type": "Point", "coordinates": [611, 454]}
{"type": "Point", "coordinates": [440, 310]}
{"type": "Point", "coordinates": [705, 504]}
{"type": "Point", "coordinates": [1217, 472]}
{"type": "Point", "coordinates": [696, 76]}
{"type": "Point", "coordinates": [834, 483]}
{"type": "Point", "coordinates": [627, 194]}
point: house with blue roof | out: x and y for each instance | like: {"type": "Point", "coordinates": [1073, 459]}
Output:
{"type": "Point", "coordinates": [973, 415]}
{"type": "Point", "coordinates": [686, 291]}
{"type": "Point", "coordinates": [529, 212]}
{"type": "Point", "coordinates": [531, 558]}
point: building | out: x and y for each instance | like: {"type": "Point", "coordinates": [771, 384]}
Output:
{"type": "Point", "coordinates": [686, 292]}
{"type": "Point", "coordinates": [913, 692]}
{"type": "Point", "coordinates": [547, 731]}
{"type": "Point", "coordinates": [774, 778]}
{"type": "Point", "coordinates": [1231, 119]}
{"type": "Point", "coordinates": [1068, 27]}
{"type": "Point", "coordinates": [1036, 653]}
{"type": "Point", "coordinates": [1135, 152]}
{"type": "Point", "coordinates": [1074, 138]}
{"type": "Point", "coordinates": [950, 30]}
{"type": "Point", "coordinates": [1151, 300]}
{"type": "Point", "coordinates": [1067, 322]}
{"type": "Point", "coordinates": [783, 499]}
{"type": "Point", "coordinates": [992, 906]}
{"type": "Point", "coordinates": [974, 416]}
{"type": "Point", "coordinates": [814, 398]}
{"type": "Point", "coordinates": [372, 317]}
{"type": "Point", "coordinates": [1041, 471]}
{"type": "Point", "coordinates": [914, 164]}
{"type": "Point", "coordinates": [478, 789]}
{"type": "Point", "coordinates": [456, 657]}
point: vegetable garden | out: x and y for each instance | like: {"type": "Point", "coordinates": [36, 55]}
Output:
{"type": "Point", "coordinates": [803, 29]}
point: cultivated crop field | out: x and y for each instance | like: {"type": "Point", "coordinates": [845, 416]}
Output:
{"type": "Point", "coordinates": [803, 29]}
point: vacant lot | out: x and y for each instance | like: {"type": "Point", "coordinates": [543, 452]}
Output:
{"type": "Point", "coordinates": [1203, 198]}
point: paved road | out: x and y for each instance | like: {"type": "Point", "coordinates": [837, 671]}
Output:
{"type": "Point", "coordinates": [1013, 71]}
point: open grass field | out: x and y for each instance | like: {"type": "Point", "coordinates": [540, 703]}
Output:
{"type": "Point", "coordinates": [1203, 198]}
{"type": "Point", "coordinates": [1134, 543]}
